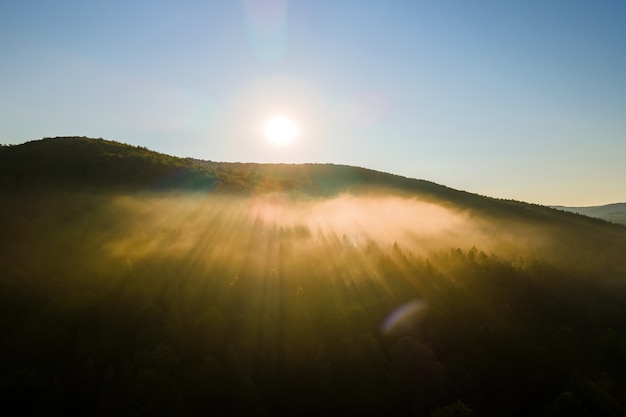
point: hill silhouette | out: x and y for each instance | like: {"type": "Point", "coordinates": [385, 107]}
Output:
{"type": "Point", "coordinates": [84, 162]}
{"type": "Point", "coordinates": [137, 283]}
{"type": "Point", "coordinates": [81, 163]}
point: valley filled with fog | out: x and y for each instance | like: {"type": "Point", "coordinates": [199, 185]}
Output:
{"type": "Point", "coordinates": [368, 302]}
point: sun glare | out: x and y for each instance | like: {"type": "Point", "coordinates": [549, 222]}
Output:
{"type": "Point", "coordinates": [281, 130]}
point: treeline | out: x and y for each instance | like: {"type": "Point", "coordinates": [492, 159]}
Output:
{"type": "Point", "coordinates": [260, 318]}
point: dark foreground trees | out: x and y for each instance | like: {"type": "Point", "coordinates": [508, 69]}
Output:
{"type": "Point", "coordinates": [259, 319]}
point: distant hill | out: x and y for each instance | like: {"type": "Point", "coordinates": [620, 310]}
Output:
{"type": "Point", "coordinates": [615, 213]}
{"type": "Point", "coordinates": [85, 162]}
{"type": "Point", "coordinates": [82, 163]}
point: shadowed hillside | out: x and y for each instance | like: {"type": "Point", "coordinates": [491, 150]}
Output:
{"type": "Point", "coordinates": [136, 283]}
{"type": "Point", "coordinates": [80, 163]}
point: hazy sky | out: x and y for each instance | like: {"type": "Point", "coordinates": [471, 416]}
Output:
{"type": "Point", "coordinates": [512, 99]}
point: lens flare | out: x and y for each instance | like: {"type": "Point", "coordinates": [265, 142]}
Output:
{"type": "Point", "coordinates": [403, 318]}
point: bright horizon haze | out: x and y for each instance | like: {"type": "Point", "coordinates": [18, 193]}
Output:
{"type": "Point", "coordinates": [523, 100]}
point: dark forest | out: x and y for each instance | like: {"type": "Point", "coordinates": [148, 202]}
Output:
{"type": "Point", "coordinates": [135, 283]}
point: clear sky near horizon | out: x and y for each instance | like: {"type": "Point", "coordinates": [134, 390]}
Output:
{"type": "Point", "coordinates": [511, 99]}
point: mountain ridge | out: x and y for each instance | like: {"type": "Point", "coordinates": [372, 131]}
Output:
{"type": "Point", "coordinates": [82, 163]}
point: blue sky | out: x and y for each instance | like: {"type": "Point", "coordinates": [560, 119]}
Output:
{"type": "Point", "coordinates": [511, 99]}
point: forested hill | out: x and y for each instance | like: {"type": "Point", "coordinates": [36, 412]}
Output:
{"type": "Point", "coordinates": [85, 162]}
{"type": "Point", "coordinates": [81, 163]}
{"type": "Point", "coordinates": [134, 283]}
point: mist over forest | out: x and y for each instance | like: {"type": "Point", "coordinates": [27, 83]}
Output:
{"type": "Point", "coordinates": [134, 283]}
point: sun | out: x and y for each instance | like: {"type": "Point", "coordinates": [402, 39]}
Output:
{"type": "Point", "coordinates": [281, 130]}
